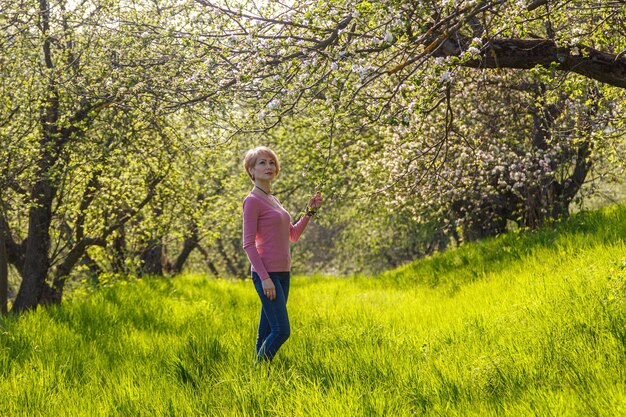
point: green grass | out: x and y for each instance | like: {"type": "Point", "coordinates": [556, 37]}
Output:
{"type": "Point", "coordinates": [521, 325]}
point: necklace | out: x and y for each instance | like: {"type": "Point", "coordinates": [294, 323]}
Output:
{"type": "Point", "coordinates": [269, 197]}
{"type": "Point", "coordinates": [264, 192]}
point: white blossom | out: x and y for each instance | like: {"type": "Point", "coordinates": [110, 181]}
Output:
{"type": "Point", "coordinates": [274, 104]}
{"type": "Point", "coordinates": [388, 37]}
{"type": "Point", "coordinates": [446, 76]}
{"type": "Point", "coordinates": [473, 50]}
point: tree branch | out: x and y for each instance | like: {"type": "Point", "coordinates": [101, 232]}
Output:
{"type": "Point", "coordinates": [88, 196]}
{"type": "Point", "coordinates": [536, 4]}
{"type": "Point", "coordinates": [528, 53]}
{"type": "Point", "coordinates": [87, 112]}
{"type": "Point", "coordinates": [153, 182]}
{"type": "Point", "coordinates": [78, 250]}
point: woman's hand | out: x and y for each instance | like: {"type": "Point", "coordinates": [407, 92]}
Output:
{"type": "Point", "coordinates": [315, 202]}
{"type": "Point", "coordinates": [269, 289]}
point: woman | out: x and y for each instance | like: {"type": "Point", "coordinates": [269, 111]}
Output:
{"type": "Point", "coordinates": [267, 231]}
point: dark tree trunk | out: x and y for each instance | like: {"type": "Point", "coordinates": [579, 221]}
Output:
{"type": "Point", "coordinates": [94, 269]}
{"type": "Point", "coordinates": [118, 252]}
{"type": "Point", "coordinates": [152, 259]}
{"type": "Point", "coordinates": [240, 260]}
{"type": "Point", "coordinates": [478, 230]}
{"type": "Point", "coordinates": [572, 185]}
{"type": "Point", "coordinates": [212, 268]}
{"type": "Point", "coordinates": [188, 246]}
{"type": "Point", "coordinates": [36, 259]}
{"type": "Point", "coordinates": [491, 220]}
{"type": "Point", "coordinates": [14, 251]}
{"type": "Point", "coordinates": [229, 262]}
{"type": "Point", "coordinates": [190, 243]}
{"type": "Point", "coordinates": [63, 270]}
{"type": "Point", "coordinates": [208, 260]}
{"type": "Point", "coordinates": [552, 199]}
{"type": "Point", "coordinates": [4, 277]}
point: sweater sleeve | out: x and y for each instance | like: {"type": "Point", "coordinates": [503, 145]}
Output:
{"type": "Point", "coordinates": [250, 226]}
{"type": "Point", "coordinates": [295, 230]}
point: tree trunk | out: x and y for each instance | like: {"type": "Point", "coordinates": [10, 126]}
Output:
{"type": "Point", "coordinates": [63, 270]}
{"type": "Point", "coordinates": [152, 259]}
{"type": "Point", "coordinates": [229, 262]}
{"type": "Point", "coordinates": [36, 260]}
{"type": "Point", "coordinates": [242, 262]}
{"type": "Point", "coordinates": [489, 220]}
{"type": "Point", "coordinates": [4, 277]}
{"type": "Point", "coordinates": [118, 252]}
{"type": "Point", "coordinates": [208, 260]}
{"type": "Point", "coordinates": [94, 269]}
{"type": "Point", "coordinates": [188, 246]}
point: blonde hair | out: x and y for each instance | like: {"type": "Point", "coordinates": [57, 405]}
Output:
{"type": "Point", "coordinates": [253, 154]}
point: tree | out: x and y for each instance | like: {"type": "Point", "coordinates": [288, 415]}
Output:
{"type": "Point", "coordinates": [505, 149]}
{"type": "Point", "coordinates": [85, 94]}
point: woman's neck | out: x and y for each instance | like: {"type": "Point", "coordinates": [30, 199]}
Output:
{"type": "Point", "coordinates": [264, 187]}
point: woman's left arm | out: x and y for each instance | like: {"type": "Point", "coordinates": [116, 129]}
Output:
{"type": "Point", "coordinates": [296, 230]}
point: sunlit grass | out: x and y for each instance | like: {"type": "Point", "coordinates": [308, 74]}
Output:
{"type": "Point", "coordinates": [524, 324]}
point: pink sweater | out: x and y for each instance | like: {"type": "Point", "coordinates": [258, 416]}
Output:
{"type": "Point", "coordinates": [267, 231]}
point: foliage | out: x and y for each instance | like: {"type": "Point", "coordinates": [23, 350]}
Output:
{"type": "Point", "coordinates": [500, 327]}
{"type": "Point", "coordinates": [90, 128]}
{"type": "Point", "coordinates": [122, 125]}
{"type": "Point", "coordinates": [389, 59]}
{"type": "Point", "coordinates": [515, 149]}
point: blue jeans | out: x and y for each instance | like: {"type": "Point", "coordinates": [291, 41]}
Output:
{"type": "Point", "coordinates": [274, 326]}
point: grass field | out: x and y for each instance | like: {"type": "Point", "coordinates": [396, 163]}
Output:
{"type": "Point", "coordinates": [521, 325]}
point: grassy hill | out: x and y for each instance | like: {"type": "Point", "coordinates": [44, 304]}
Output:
{"type": "Point", "coordinates": [520, 325]}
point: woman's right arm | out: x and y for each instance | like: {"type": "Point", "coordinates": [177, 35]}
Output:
{"type": "Point", "coordinates": [250, 227]}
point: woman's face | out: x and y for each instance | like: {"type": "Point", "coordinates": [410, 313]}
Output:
{"type": "Point", "coordinates": [264, 169]}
